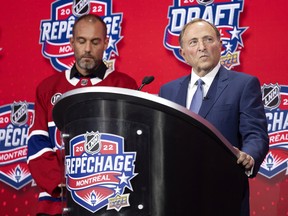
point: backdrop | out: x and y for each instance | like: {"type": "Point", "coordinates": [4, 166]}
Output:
{"type": "Point", "coordinates": [143, 41]}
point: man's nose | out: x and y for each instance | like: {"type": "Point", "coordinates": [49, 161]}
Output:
{"type": "Point", "coordinates": [88, 46]}
{"type": "Point", "coordinates": [201, 45]}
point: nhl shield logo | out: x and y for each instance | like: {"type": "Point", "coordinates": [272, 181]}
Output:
{"type": "Point", "coordinates": [81, 7]}
{"type": "Point", "coordinates": [19, 112]}
{"type": "Point", "coordinates": [92, 143]}
{"type": "Point", "coordinates": [98, 170]}
{"type": "Point", "coordinates": [271, 96]}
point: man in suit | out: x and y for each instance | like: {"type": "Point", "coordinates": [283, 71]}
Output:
{"type": "Point", "coordinates": [230, 100]}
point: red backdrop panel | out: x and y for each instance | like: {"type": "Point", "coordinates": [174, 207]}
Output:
{"type": "Point", "coordinates": [142, 53]}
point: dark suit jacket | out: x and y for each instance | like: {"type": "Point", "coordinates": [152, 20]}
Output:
{"type": "Point", "coordinates": [234, 106]}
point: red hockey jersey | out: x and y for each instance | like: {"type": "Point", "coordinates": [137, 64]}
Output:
{"type": "Point", "coordinates": [45, 153]}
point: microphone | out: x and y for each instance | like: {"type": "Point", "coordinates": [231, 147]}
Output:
{"type": "Point", "coordinates": [145, 81]}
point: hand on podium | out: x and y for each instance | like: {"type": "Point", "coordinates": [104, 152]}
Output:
{"type": "Point", "coordinates": [246, 161]}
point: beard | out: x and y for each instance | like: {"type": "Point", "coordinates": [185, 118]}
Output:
{"type": "Point", "coordinates": [87, 63]}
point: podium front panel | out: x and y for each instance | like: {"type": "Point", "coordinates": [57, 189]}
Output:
{"type": "Point", "coordinates": [131, 153]}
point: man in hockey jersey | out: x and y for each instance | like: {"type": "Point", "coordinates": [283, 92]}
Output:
{"type": "Point", "coordinates": [45, 161]}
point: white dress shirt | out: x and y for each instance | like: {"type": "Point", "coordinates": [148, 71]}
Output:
{"type": "Point", "coordinates": [207, 79]}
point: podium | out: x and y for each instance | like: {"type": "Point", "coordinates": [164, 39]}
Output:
{"type": "Point", "coordinates": [133, 153]}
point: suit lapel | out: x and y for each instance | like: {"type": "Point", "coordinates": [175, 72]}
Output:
{"type": "Point", "coordinates": [182, 93]}
{"type": "Point", "coordinates": [218, 85]}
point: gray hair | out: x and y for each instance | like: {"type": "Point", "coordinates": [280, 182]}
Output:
{"type": "Point", "coordinates": [195, 21]}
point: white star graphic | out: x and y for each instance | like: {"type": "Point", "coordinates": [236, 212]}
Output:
{"type": "Point", "coordinates": [235, 33]}
{"type": "Point", "coordinates": [228, 46]}
{"type": "Point", "coordinates": [105, 54]}
{"type": "Point", "coordinates": [111, 42]}
{"type": "Point", "coordinates": [123, 178]}
{"type": "Point", "coordinates": [117, 190]}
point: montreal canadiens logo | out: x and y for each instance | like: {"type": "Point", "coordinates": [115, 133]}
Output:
{"type": "Point", "coordinates": [222, 13]}
{"type": "Point", "coordinates": [98, 170]}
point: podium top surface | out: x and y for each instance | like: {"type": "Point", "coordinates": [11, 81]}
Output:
{"type": "Point", "coordinates": [123, 95]}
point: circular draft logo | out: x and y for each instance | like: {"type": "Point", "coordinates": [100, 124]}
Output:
{"type": "Point", "coordinates": [15, 121]}
{"type": "Point", "coordinates": [98, 170]}
{"type": "Point", "coordinates": [275, 99]}
{"type": "Point", "coordinates": [224, 14]}
{"type": "Point", "coordinates": [56, 32]}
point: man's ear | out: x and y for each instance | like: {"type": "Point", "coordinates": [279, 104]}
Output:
{"type": "Point", "coordinates": [182, 53]}
{"type": "Point", "coordinates": [71, 40]}
{"type": "Point", "coordinates": [221, 45]}
{"type": "Point", "coordinates": [106, 42]}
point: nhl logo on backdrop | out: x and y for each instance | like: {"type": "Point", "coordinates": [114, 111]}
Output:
{"type": "Point", "coordinates": [19, 114]}
{"type": "Point", "coordinates": [98, 170]}
{"type": "Point", "coordinates": [271, 96]}
{"type": "Point", "coordinates": [81, 7]}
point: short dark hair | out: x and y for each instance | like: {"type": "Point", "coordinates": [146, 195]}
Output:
{"type": "Point", "coordinates": [195, 21]}
{"type": "Point", "coordinates": [94, 18]}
